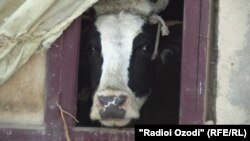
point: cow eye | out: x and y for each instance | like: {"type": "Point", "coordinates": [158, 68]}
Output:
{"type": "Point", "coordinates": [146, 48]}
{"type": "Point", "coordinates": [94, 49]}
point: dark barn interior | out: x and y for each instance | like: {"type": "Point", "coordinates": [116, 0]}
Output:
{"type": "Point", "coordinates": [162, 106]}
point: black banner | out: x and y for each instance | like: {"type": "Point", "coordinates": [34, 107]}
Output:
{"type": "Point", "coordinates": [204, 132]}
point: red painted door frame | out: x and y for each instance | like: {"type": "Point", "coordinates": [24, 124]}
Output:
{"type": "Point", "coordinates": [194, 60]}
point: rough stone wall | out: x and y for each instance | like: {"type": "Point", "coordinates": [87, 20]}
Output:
{"type": "Point", "coordinates": [233, 73]}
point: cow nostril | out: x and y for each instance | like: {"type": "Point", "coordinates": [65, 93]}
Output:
{"type": "Point", "coordinates": [112, 111]}
{"type": "Point", "coordinates": [112, 106]}
{"type": "Point", "coordinates": [104, 100]}
{"type": "Point", "coordinates": [115, 100]}
{"type": "Point", "coordinates": [120, 100]}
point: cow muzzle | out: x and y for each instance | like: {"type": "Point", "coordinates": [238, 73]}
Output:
{"type": "Point", "coordinates": [111, 107]}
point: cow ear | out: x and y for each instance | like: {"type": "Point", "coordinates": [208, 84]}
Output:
{"type": "Point", "coordinates": [165, 56]}
{"type": "Point", "coordinates": [170, 57]}
{"type": "Point", "coordinates": [170, 46]}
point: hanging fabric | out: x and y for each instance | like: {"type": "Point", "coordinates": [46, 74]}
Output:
{"type": "Point", "coordinates": [29, 25]}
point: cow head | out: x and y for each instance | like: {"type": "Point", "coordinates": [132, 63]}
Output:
{"type": "Point", "coordinates": [120, 48]}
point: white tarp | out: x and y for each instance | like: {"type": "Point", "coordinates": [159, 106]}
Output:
{"type": "Point", "coordinates": [28, 25]}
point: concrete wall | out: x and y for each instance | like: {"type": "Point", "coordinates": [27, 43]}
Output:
{"type": "Point", "coordinates": [22, 96]}
{"type": "Point", "coordinates": [233, 69]}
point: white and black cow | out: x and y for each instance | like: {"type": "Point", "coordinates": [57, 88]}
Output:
{"type": "Point", "coordinates": [121, 44]}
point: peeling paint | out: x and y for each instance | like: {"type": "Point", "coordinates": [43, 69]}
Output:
{"type": "Point", "coordinates": [8, 133]}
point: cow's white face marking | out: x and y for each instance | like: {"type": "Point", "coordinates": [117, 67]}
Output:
{"type": "Point", "coordinates": [117, 33]}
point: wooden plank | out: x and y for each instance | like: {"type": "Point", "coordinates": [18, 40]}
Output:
{"type": "Point", "coordinates": [62, 66]}
{"type": "Point", "coordinates": [105, 134]}
{"type": "Point", "coordinates": [203, 57]}
{"type": "Point", "coordinates": [15, 134]}
{"type": "Point", "coordinates": [194, 56]}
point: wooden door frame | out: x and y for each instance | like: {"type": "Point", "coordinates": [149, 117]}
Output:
{"type": "Point", "coordinates": [194, 61]}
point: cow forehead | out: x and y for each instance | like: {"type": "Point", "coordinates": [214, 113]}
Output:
{"type": "Point", "coordinates": [118, 28]}
{"type": "Point", "coordinates": [117, 33]}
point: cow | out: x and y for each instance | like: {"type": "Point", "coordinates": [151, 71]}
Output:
{"type": "Point", "coordinates": [121, 47]}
